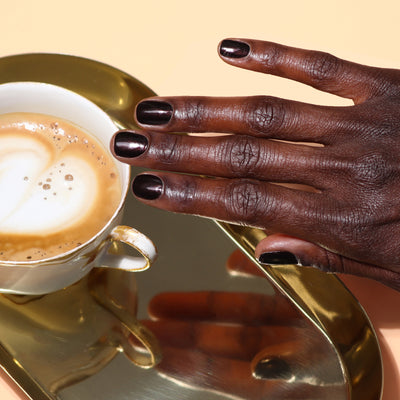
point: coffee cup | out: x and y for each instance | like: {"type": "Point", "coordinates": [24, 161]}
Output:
{"type": "Point", "coordinates": [40, 274]}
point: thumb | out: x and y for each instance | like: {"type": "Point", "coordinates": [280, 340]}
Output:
{"type": "Point", "coordinates": [278, 249]}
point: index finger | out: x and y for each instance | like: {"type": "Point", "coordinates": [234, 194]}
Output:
{"type": "Point", "coordinates": [318, 69]}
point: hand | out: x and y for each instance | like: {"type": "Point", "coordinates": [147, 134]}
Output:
{"type": "Point", "coordinates": [349, 219]}
{"type": "Point", "coordinates": [215, 340]}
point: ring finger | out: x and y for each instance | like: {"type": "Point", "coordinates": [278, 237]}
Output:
{"type": "Point", "coordinates": [243, 201]}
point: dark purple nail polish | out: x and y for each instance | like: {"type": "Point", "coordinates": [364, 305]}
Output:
{"type": "Point", "coordinates": [151, 112]}
{"type": "Point", "coordinates": [130, 144]}
{"type": "Point", "coordinates": [234, 49]}
{"type": "Point", "coordinates": [278, 258]}
{"type": "Point", "coordinates": [273, 368]}
{"type": "Point", "coordinates": [148, 187]}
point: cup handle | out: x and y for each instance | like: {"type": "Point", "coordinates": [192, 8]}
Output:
{"type": "Point", "coordinates": [149, 354]}
{"type": "Point", "coordinates": [139, 242]}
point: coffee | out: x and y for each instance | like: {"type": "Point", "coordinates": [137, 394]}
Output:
{"type": "Point", "coordinates": [59, 186]}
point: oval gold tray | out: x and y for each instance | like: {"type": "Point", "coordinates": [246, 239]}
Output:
{"type": "Point", "coordinates": [321, 298]}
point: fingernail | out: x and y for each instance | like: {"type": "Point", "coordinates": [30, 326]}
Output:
{"type": "Point", "coordinates": [234, 49]}
{"type": "Point", "coordinates": [150, 112]}
{"type": "Point", "coordinates": [278, 258]}
{"type": "Point", "coordinates": [273, 368]}
{"type": "Point", "coordinates": [130, 144]}
{"type": "Point", "coordinates": [148, 187]}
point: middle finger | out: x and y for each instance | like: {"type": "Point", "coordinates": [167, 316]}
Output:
{"type": "Point", "coordinates": [233, 156]}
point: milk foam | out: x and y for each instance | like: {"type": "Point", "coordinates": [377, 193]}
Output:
{"type": "Point", "coordinates": [58, 186]}
{"type": "Point", "coordinates": [42, 199]}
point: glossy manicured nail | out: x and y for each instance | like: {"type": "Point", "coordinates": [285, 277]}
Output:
{"type": "Point", "coordinates": [129, 144]}
{"type": "Point", "coordinates": [234, 49]}
{"type": "Point", "coordinates": [148, 187]}
{"type": "Point", "coordinates": [278, 258]}
{"type": "Point", "coordinates": [151, 112]}
{"type": "Point", "coordinates": [273, 368]}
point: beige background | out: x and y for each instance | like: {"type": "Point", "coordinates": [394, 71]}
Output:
{"type": "Point", "coordinates": [171, 45]}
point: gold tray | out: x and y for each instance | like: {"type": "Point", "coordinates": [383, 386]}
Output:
{"type": "Point", "coordinates": [192, 257]}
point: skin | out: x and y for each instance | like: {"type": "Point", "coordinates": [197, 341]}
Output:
{"type": "Point", "coordinates": [341, 211]}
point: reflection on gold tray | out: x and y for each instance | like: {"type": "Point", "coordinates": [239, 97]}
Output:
{"type": "Point", "coordinates": [86, 335]}
{"type": "Point", "coordinates": [328, 309]}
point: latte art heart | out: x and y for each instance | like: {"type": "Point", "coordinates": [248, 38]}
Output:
{"type": "Point", "coordinates": [59, 186]}
{"type": "Point", "coordinates": [48, 194]}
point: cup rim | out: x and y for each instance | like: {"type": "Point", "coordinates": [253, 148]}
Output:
{"type": "Point", "coordinates": [124, 180]}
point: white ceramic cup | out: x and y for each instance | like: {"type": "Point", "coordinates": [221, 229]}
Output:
{"type": "Point", "coordinates": [48, 275]}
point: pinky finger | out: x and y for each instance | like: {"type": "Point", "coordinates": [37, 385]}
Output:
{"type": "Point", "coordinates": [280, 249]}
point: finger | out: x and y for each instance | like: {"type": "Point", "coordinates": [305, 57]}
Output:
{"type": "Point", "coordinates": [320, 70]}
{"type": "Point", "coordinates": [300, 359]}
{"type": "Point", "coordinates": [230, 377]}
{"type": "Point", "coordinates": [242, 201]}
{"type": "Point", "coordinates": [261, 116]}
{"type": "Point", "coordinates": [233, 341]}
{"type": "Point", "coordinates": [281, 249]}
{"type": "Point", "coordinates": [224, 156]}
{"type": "Point", "coordinates": [233, 377]}
{"type": "Point", "coordinates": [224, 307]}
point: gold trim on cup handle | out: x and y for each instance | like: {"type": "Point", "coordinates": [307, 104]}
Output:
{"type": "Point", "coordinates": [136, 240]}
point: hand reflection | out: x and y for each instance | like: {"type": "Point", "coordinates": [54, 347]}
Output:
{"type": "Point", "coordinates": [217, 340]}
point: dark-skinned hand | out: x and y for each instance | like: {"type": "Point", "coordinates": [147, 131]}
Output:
{"type": "Point", "coordinates": [348, 219]}
{"type": "Point", "coordinates": [245, 345]}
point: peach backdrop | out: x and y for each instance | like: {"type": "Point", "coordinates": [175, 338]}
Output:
{"type": "Point", "coordinates": [171, 46]}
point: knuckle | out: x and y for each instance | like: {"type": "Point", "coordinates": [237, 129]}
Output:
{"type": "Point", "coordinates": [265, 114]}
{"type": "Point", "coordinates": [168, 149]}
{"type": "Point", "coordinates": [193, 113]}
{"type": "Point", "coordinates": [183, 193]}
{"type": "Point", "coordinates": [321, 66]}
{"type": "Point", "coordinates": [244, 202]}
{"type": "Point", "coordinates": [382, 118]}
{"type": "Point", "coordinates": [331, 263]}
{"type": "Point", "coordinates": [385, 82]}
{"type": "Point", "coordinates": [271, 58]}
{"type": "Point", "coordinates": [244, 154]}
{"type": "Point", "coordinates": [372, 170]}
